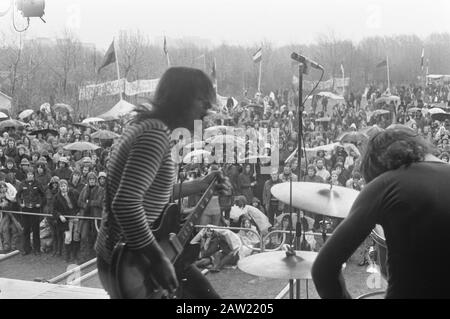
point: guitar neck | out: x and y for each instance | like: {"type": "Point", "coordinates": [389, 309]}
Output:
{"type": "Point", "coordinates": [188, 227]}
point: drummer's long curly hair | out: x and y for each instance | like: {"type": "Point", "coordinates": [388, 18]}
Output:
{"type": "Point", "coordinates": [393, 148]}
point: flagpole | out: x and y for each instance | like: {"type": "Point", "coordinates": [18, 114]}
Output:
{"type": "Point", "coordinates": [117, 66]}
{"type": "Point", "coordinates": [388, 77]}
{"type": "Point", "coordinates": [215, 75]}
{"type": "Point", "coordinates": [259, 78]}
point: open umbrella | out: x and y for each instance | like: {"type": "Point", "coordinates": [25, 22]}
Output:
{"type": "Point", "coordinates": [414, 109]}
{"type": "Point", "coordinates": [24, 114]}
{"type": "Point", "coordinates": [3, 115]}
{"type": "Point", "coordinates": [371, 130]}
{"type": "Point", "coordinates": [11, 123]}
{"type": "Point", "coordinates": [44, 132]}
{"type": "Point", "coordinates": [197, 156]}
{"type": "Point", "coordinates": [218, 128]}
{"type": "Point", "coordinates": [388, 99]}
{"type": "Point", "coordinates": [81, 146]}
{"type": "Point", "coordinates": [436, 110]}
{"type": "Point", "coordinates": [437, 116]}
{"type": "Point", "coordinates": [105, 135]}
{"type": "Point", "coordinates": [93, 120]}
{"type": "Point", "coordinates": [61, 107]}
{"type": "Point", "coordinates": [352, 137]}
{"type": "Point", "coordinates": [378, 112]}
{"type": "Point", "coordinates": [323, 119]}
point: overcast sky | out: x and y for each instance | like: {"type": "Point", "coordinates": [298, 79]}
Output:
{"type": "Point", "coordinates": [246, 22]}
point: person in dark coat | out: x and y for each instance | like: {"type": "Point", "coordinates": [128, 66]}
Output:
{"type": "Point", "coordinates": [67, 230]}
{"type": "Point", "coordinates": [246, 182]}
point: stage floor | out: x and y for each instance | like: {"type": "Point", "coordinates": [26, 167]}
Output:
{"type": "Point", "coordinates": [19, 289]}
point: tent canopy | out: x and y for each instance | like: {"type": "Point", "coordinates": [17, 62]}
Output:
{"type": "Point", "coordinates": [120, 109]}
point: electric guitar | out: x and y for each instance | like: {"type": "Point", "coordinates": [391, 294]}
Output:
{"type": "Point", "coordinates": [128, 279]}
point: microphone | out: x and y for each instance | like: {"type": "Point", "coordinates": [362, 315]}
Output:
{"type": "Point", "coordinates": [302, 59]}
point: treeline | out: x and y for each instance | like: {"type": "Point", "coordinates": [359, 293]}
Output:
{"type": "Point", "coordinates": [34, 71]}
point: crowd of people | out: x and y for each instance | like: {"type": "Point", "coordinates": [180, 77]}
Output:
{"type": "Point", "coordinates": [38, 175]}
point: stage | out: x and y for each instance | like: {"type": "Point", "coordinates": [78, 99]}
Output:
{"type": "Point", "coordinates": [19, 289]}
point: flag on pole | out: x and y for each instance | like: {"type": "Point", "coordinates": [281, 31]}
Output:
{"type": "Point", "coordinates": [342, 69]}
{"type": "Point", "coordinates": [382, 64]}
{"type": "Point", "coordinates": [110, 57]}
{"type": "Point", "coordinates": [257, 56]}
{"type": "Point", "coordinates": [166, 52]}
{"type": "Point", "coordinates": [422, 59]}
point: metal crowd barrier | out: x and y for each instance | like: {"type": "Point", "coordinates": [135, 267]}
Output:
{"type": "Point", "coordinates": [9, 255]}
{"type": "Point", "coordinates": [70, 272]}
{"type": "Point", "coordinates": [49, 215]}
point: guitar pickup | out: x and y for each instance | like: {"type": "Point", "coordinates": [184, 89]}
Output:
{"type": "Point", "coordinates": [173, 239]}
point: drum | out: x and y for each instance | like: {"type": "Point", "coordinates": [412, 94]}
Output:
{"type": "Point", "coordinates": [380, 246]}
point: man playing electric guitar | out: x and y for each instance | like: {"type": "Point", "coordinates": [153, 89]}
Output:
{"type": "Point", "coordinates": [141, 179]}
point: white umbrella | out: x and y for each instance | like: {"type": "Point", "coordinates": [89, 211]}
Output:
{"type": "Point", "coordinates": [197, 156]}
{"type": "Point", "coordinates": [81, 146]}
{"type": "Point", "coordinates": [436, 110]}
{"type": "Point", "coordinates": [3, 115]}
{"type": "Point", "coordinates": [24, 114]}
{"type": "Point", "coordinates": [93, 120]}
{"type": "Point", "coordinates": [218, 128]}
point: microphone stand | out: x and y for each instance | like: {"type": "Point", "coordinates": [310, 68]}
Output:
{"type": "Point", "coordinates": [298, 227]}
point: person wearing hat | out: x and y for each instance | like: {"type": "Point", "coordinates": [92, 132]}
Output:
{"type": "Point", "coordinates": [90, 202]}
{"type": "Point", "coordinates": [21, 174]}
{"type": "Point", "coordinates": [102, 179]}
{"type": "Point", "coordinates": [30, 196]}
{"type": "Point", "coordinates": [63, 171]}
{"type": "Point", "coordinates": [75, 182]}
{"type": "Point", "coordinates": [67, 230]}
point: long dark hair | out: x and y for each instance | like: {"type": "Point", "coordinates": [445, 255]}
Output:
{"type": "Point", "coordinates": [390, 149]}
{"type": "Point", "coordinates": [175, 94]}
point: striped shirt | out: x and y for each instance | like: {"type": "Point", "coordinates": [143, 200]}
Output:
{"type": "Point", "coordinates": [140, 182]}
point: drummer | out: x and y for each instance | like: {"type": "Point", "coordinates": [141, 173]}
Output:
{"type": "Point", "coordinates": [407, 194]}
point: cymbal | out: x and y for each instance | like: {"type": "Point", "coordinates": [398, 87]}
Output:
{"type": "Point", "coordinates": [317, 197]}
{"type": "Point", "coordinates": [278, 266]}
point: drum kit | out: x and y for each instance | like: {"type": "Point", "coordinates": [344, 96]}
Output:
{"type": "Point", "coordinates": [324, 199]}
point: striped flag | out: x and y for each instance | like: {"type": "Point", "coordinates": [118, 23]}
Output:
{"type": "Point", "coordinates": [110, 57]}
{"type": "Point", "coordinates": [257, 56]}
{"type": "Point", "coordinates": [422, 59]}
{"type": "Point", "coordinates": [382, 64]}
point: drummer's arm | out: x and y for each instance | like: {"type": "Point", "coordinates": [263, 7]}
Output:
{"type": "Point", "coordinates": [349, 235]}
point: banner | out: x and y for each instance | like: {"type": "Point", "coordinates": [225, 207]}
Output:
{"type": "Point", "coordinates": [326, 85]}
{"type": "Point", "coordinates": [118, 86]}
{"type": "Point", "coordinates": [141, 86]}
